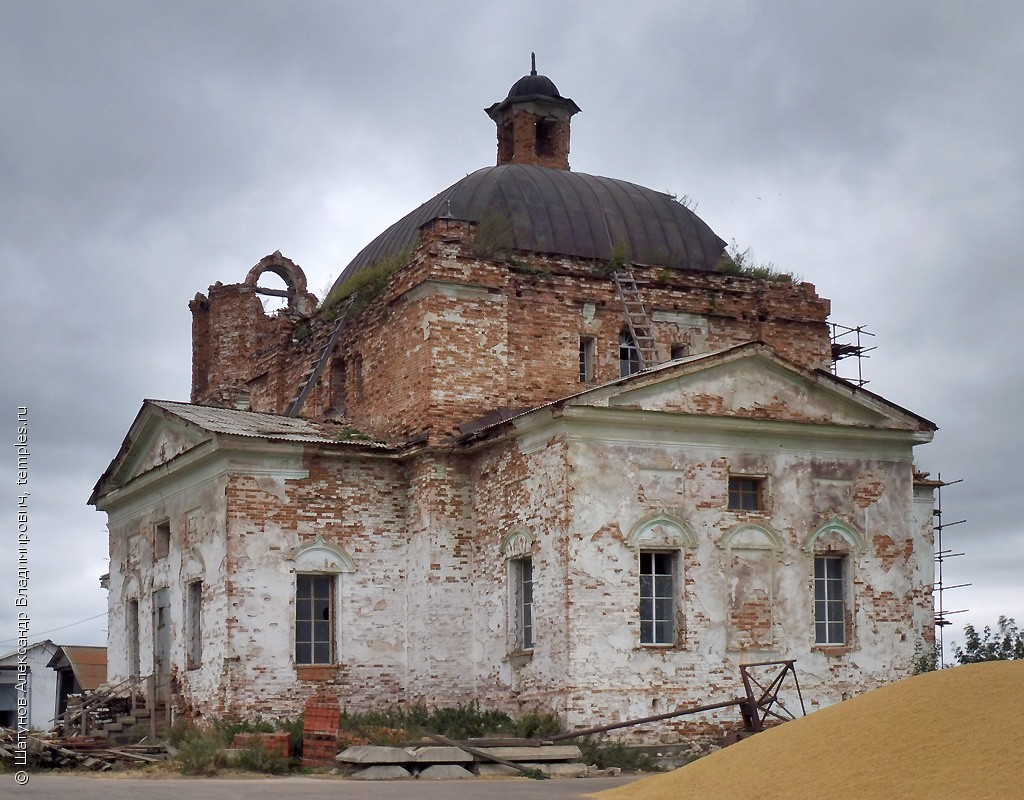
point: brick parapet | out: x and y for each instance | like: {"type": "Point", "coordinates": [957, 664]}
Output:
{"type": "Point", "coordinates": [454, 336]}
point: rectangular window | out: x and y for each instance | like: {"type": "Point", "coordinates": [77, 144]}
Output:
{"type": "Point", "coordinates": [830, 600]}
{"type": "Point", "coordinates": [314, 619]}
{"type": "Point", "coordinates": [629, 355]}
{"type": "Point", "coordinates": [657, 598]}
{"type": "Point", "coordinates": [132, 623]}
{"type": "Point", "coordinates": [522, 586]}
{"type": "Point", "coordinates": [588, 353]}
{"type": "Point", "coordinates": [162, 539]}
{"type": "Point", "coordinates": [680, 351]}
{"type": "Point", "coordinates": [338, 377]}
{"type": "Point", "coordinates": [194, 623]}
{"type": "Point", "coordinates": [746, 494]}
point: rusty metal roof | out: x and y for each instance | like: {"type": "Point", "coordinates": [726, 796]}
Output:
{"type": "Point", "coordinates": [560, 212]}
{"type": "Point", "coordinates": [88, 663]}
{"type": "Point", "coordinates": [236, 422]}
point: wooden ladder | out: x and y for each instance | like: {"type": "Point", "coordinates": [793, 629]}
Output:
{"type": "Point", "coordinates": [637, 319]}
{"type": "Point", "coordinates": [317, 367]}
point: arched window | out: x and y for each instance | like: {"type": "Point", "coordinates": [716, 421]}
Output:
{"type": "Point", "coordinates": [518, 549]}
{"type": "Point", "coordinates": [318, 568]}
{"type": "Point", "coordinates": [629, 354]}
{"type": "Point", "coordinates": [834, 547]}
{"type": "Point", "coordinates": [659, 541]}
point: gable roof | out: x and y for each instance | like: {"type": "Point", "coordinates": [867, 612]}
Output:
{"type": "Point", "coordinates": [273, 427]}
{"type": "Point", "coordinates": [12, 656]}
{"type": "Point", "coordinates": [198, 424]}
{"type": "Point", "coordinates": [89, 664]}
{"type": "Point", "coordinates": [875, 410]}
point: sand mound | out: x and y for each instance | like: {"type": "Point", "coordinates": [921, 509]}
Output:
{"type": "Point", "coordinates": [955, 734]}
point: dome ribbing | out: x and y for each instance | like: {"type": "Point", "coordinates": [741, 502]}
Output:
{"type": "Point", "coordinates": [558, 212]}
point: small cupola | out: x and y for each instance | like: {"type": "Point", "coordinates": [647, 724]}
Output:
{"type": "Point", "coordinates": [533, 122]}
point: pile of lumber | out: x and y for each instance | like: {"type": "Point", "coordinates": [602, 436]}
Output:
{"type": "Point", "coordinates": [48, 751]}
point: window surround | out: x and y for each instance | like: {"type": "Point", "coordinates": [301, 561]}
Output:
{"type": "Point", "coordinates": [132, 635]}
{"type": "Point", "coordinates": [752, 536]}
{"type": "Point", "coordinates": [629, 354]}
{"type": "Point", "coordinates": [517, 548]}
{"type": "Point", "coordinates": [745, 541]}
{"type": "Point", "coordinates": [192, 572]}
{"type": "Point", "coordinates": [161, 539]}
{"type": "Point", "coordinates": [744, 486]}
{"type": "Point", "coordinates": [588, 358]}
{"type": "Point", "coordinates": [131, 592]}
{"type": "Point", "coordinates": [318, 560]}
{"type": "Point", "coordinates": [835, 539]}
{"type": "Point", "coordinates": [662, 534]}
{"type": "Point", "coordinates": [827, 535]}
{"type": "Point", "coordinates": [661, 531]}
{"type": "Point", "coordinates": [193, 624]}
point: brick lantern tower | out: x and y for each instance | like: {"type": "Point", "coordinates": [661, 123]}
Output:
{"type": "Point", "coordinates": [533, 122]}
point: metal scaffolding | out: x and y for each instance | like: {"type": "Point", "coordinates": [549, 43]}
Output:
{"type": "Point", "coordinates": [941, 555]}
{"type": "Point", "coordinates": [849, 343]}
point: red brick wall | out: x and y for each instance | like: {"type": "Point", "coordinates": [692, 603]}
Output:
{"type": "Point", "coordinates": [455, 336]}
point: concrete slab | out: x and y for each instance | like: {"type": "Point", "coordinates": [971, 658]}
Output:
{"type": "Point", "coordinates": [550, 752]}
{"type": "Point", "coordinates": [385, 772]}
{"type": "Point", "coordinates": [444, 772]}
{"type": "Point", "coordinates": [438, 754]}
{"type": "Point", "coordinates": [552, 770]}
{"type": "Point", "coordinates": [485, 770]}
{"type": "Point", "coordinates": [374, 754]}
{"type": "Point", "coordinates": [563, 770]}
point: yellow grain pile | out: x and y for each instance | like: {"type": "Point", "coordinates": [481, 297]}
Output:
{"type": "Point", "coordinates": [955, 734]}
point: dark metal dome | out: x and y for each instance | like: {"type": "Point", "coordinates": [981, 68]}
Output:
{"type": "Point", "coordinates": [566, 213]}
{"type": "Point", "coordinates": [533, 85]}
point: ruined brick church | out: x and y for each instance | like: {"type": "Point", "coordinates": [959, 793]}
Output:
{"type": "Point", "coordinates": [535, 449]}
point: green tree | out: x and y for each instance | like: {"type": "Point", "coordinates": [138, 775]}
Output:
{"type": "Point", "coordinates": [1006, 643]}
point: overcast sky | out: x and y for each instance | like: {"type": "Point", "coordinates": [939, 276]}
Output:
{"type": "Point", "coordinates": [148, 150]}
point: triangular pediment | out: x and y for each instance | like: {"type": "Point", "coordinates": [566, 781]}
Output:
{"type": "Point", "coordinates": [155, 438]}
{"type": "Point", "coordinates": [163, 439]}
{"type": "Point", "coordinates": [752, 382]}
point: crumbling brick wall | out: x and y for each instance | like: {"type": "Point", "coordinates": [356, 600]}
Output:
{"type": "Point", "coordinates": [455, 336]}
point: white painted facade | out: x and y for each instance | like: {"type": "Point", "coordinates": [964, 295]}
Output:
{"type": "Point", "coordinates": [423, 545]}
{"type": "Point", "coordinates": [41, 684]}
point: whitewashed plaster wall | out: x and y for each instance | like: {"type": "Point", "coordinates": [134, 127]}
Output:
{"type": "Point", "coordinates": [42, 683]}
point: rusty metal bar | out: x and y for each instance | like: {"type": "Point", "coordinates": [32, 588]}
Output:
{"type": "Point", "coordinates": [667, 715]}
{"type": "Point", "coordinates": [763, 705]}
{"type": "Point", "coordinates": [529, 772]}
{"type": "Point", "coordinates": [799, 694]}
{"type": "Point", "coordinates": [789, 662]}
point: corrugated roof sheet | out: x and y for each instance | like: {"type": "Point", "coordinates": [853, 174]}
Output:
{"type": "Point", "coordinates": [560, 212]}
{"type": "Point", "coordinates": [88, 663]}
{"type": "Point", "coordinates": [275, 427]}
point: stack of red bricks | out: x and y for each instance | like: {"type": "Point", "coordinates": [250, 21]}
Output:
{"type": "Point", "coordinates": [320, 732]}
{"type": "Point", "coordinates": [277, 744]}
